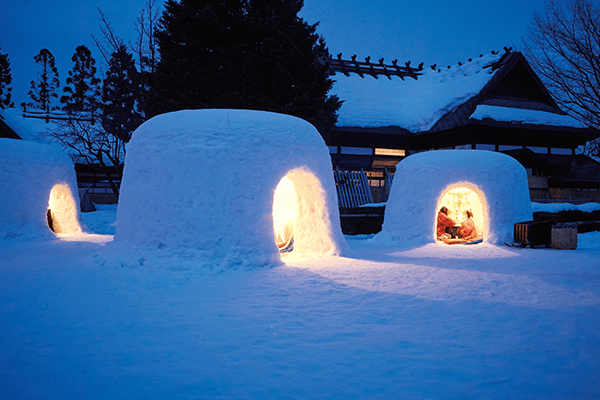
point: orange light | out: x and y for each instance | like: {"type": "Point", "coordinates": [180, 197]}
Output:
{"type": "Point", "coordinates": [63, 211]}
{"type": "Point", "coordinates": [284, 214]}
{"type": "Point", "coordinates": [462, 198]}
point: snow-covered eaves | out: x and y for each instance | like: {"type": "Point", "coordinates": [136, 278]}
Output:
{"type": "Point", "coordinates": [30, 129]}
{"type": "Point", "coordinates": [524, 116]}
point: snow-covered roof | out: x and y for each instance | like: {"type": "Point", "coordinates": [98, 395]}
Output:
{"type": "Point", "coordinates": [28, 128]}
{"type": "Point", "coordinates": [417, 105]}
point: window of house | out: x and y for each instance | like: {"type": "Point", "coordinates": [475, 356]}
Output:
{"type": "Point", "coordinates": [480, 146]}
{"type": "Point", "coordinates": [563, 151]}
{"type": "Point", "coordinates": [390, 152]}
{"type": "Point", "coordinates": [539, 150]}
{"type": "Point", "coordinates": [356, 151]}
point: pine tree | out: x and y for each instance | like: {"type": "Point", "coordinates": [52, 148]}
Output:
{"type": "Point", "coordinates": [5, 80]}
{"type": "Point", "coordinates": [251, 54]}
{"type": "Point", "coordinates": [44, 89]}
{"type": "Point", "coordinates": [82, 92]}
{"type": "Point", "coordinates": [120, 95]}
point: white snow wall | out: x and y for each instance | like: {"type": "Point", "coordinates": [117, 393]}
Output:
{"type": "Point", "coordinates": [204, 180]}
{"type": "Point", "coordinates": [421, 179]}
{"type": "Point", "coordinates": [29, 173]}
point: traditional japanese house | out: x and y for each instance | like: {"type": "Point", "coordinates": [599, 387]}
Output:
{"type": "Point", "coordinates": [492, 102]}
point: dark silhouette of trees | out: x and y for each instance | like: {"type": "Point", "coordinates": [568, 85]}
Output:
{"type": "Point", "coordinates": [246, 54]}
{"type": "Point", "coordinates": [82, 92]}
{"type": "Point", "coordinates": [146, 48]}
{"type": "Point", "coordinates": [5, 81]}
{"type": "Point", "coordinates": [120, 93]}
{"type": "Point", "coordinates": [43, 90]}
{"type": "Point", "coordinates": [563, 46]}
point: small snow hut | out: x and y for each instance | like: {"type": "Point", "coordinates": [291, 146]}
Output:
{"type": "Point", "coordinates": [493, 186]}
{"type": "Point", "coordinates": [234, 187]}
{"type": "Point", "coordinates": [38, 191]}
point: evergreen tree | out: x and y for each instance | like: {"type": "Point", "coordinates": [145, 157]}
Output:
{"type": "Point", "coordinates": [82, 92]}
{"type": "Point", "coordinates": [5, 80]}
{"type": "Point", "coordinates": [251, 54]}
{"type": "Point", "coordinates": [44, 89]}
{"type": "Point", "coordinates": [120, 95]}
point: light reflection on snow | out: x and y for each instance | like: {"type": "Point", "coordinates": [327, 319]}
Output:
{"type": "Point", "coordinates": [86, 237]}
{"type": "Point", "coordinates": [458, 251]}
{"type": "Point", "coordinates": [440, 272]}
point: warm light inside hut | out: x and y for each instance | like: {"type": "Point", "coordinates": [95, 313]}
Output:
{"type": "Point", "coordinates": [459, 200]}
{"type": "Point", "coordinates": [284, 215]}
{"type": "Point", "coordinates": [62, 211]}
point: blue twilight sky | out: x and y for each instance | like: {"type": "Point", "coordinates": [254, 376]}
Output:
{"type": "Point", "coordinates": [435, 31]}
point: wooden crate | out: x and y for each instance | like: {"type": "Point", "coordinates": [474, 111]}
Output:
{"type": "Point", "coordinates": [533, 233]}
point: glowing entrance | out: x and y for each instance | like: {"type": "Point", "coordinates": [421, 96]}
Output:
{"type": "Point", "coordinates": [465, 215]}
{"type": "Point", "coordinates": [284, 215]}
{"type": "Point", "coordinates": [62, 211]}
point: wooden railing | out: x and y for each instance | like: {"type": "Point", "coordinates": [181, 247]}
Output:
{"type": "Point", "coordinates": [353, 188]}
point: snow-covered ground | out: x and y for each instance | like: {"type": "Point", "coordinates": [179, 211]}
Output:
{"type": "Point", "coordinates": [80, 320]}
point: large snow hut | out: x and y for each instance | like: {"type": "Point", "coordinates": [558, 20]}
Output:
{"type": "Point", "coordinates": [493, 186]}
{"type": "Point", "coordinates": [233, 186]}
{"type": "Point", "coordinates": [39, 191]}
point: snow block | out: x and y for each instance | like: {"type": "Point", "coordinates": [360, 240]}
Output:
{"type": "Point", "coordinates": [422, 179]}
{"type": "Point", "coordinates": [203, 181]}
{"type": "Point", "coordinates": [564, 238]}
{"type": "Point", "coordinates": [36, 177]}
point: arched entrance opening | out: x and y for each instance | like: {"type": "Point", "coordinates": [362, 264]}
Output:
{"type": "Point", "coordinates": [284, 215]}
{"type": "Point", "coordinates": [300, 217]}
{"type": "Point", "coordinates": [62, 211]}
{"type": "Point", "coordinates": [466, 207]}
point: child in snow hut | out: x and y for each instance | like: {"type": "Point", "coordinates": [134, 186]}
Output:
{"type": "Point", "coordinates": [467, 229]}
{"type": "Point", "coordinates": [443, 222]}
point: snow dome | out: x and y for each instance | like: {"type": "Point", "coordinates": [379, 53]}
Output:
{"type": "Point", "coordinates": [491, 186]}
{"type": "Point", "coordinates": [39, 191]}
{"type": "Point", "coordinates": [231, 187]}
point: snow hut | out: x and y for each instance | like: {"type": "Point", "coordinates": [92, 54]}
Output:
{"type": "Point", "coordinates": [235, 187]}
{"type": "Point", "coordinates": [491, 185]}
{"type": "Point", "coordinates": [39, 191]}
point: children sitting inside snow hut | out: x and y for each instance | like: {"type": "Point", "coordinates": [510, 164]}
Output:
{"type": "Point", "coordinates": [467, 230]}
{"type": "Point", "coordinates": [443, 222]}
{"type": "Point", "coordinates": [450, 233]}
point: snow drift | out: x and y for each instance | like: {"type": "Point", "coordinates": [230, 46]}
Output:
{"type": "Point", "coordinates": [37, 178]}
{"type": "Point", "coordinates": [422, 180]}
{"type": "Point", "coordinates": [203, 181]}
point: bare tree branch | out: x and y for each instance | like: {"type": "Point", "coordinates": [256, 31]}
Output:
{"type": "Point", "coordinates": [110, 40]}
{"type": "Point", "coordinates": [86, 141]}
{"type": "Point", "coordinates": [563, 46]}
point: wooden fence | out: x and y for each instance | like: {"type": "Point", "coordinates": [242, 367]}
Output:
{"type": "Point", "coordinates": [353, 188]}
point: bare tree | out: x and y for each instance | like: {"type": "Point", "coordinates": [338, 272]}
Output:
{"type": "Point", "coordinates": [563, 46]}
{"type": "Point", "coordinates": [86, 141]}
{"type": "Point", "coordinates": [146, 48]}
{"type": "Point", "coordinates": [110, 41]}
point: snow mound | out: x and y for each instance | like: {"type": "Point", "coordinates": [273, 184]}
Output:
{"type": "Point", "coordinates": [422, 180]}
{"type": "Point", "coordinates": [203, 182]}
{"type": "Point", "coordinates": [35, 178]}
